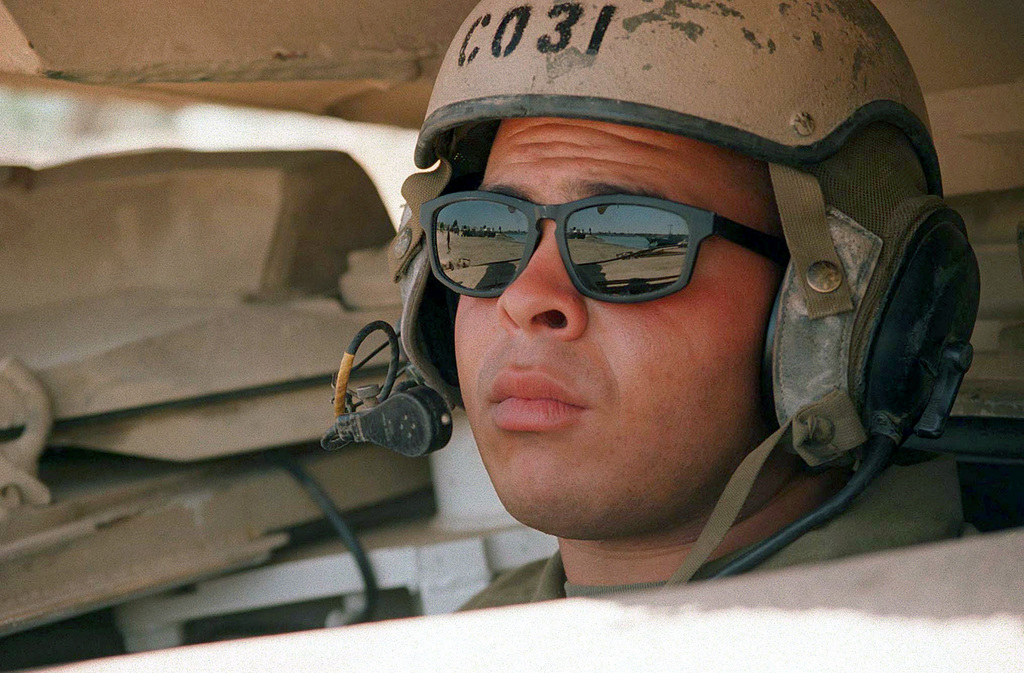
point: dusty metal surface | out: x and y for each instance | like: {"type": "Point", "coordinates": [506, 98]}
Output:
{"type": "Point", "coordinates": [927, 608]}
{"type": "Point", "coordinates": [193, 40]}
{"type": "Point", "coordinates": [198, 430]}
{"type": "Point", "coordinates": [17, 55]}
{"type": "Point", "coordinates": [177, 305]}
{"type": "Point", "coordinates": [443, 568]}
{"type": "Point", "coordinates": [958, 43]}
{"type": "Point", "coordinates": [109, 536]}
{"type": "Point", "coordinates": [978, 133]}
{"type": "Point", "coordinates": [189, 346]}
{"type": "Point", "coordinates": [244, 222]}
{"type": "Point", "coordinates": [184, 377]}
{"type": "Point", "coordinates": [994, 386]}
{"type": "Point", "coordinates": [978, 575]}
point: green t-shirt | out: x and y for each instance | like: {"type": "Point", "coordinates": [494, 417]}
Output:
{"type": "Point", "coordinates": [906, 505]}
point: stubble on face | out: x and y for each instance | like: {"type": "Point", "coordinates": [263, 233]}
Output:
{"type": "Point", "coordinates": [608, 421]}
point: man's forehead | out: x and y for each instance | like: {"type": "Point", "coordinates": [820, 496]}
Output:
{"type": "Point", "coordinates": [578, 158]}
{"type": "Point", "coordinates": [557, 160]}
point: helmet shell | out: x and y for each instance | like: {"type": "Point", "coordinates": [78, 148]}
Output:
{"type": "Point", "coordinates": [820, 85]}
{"type": "Point", "coordinates": [786, 82]}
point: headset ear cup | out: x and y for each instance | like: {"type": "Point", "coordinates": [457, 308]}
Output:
{"type": "Point", "coordinates": [809, 358]}
{"type": "Point", "coordinates": [436, 322]}
{"type": "Point", "coordinates": [921, 346]}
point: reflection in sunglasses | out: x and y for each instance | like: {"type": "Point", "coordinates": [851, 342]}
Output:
{"type": "Point", "coordinates": [629, 264]}
{"type": "Point", "coordinates": [616, 246]}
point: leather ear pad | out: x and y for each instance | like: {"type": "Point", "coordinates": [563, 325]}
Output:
{"type": "Point", "coordinates": [922, 343]}
{"type": "Point", "coordinates": [806, 359]}
{"type": "Point", "coordinates": [436, 322]}
{"type": "Point", "coordinates": [436, 317]}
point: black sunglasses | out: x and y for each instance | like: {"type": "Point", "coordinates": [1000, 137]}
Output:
{"type": "Point", "coordinates": [617, 248]}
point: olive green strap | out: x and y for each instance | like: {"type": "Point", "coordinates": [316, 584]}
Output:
{"type": "Point", "coordinates": [417, 189]}
{"type": "Point", "coordinates": [821, 432]}
{"type": "Point", "coordinates": [727, 508]}
{"type": "Point", "coordinates": [552, 580]}
{"type": "Point", "coordinates": [828, 429]}
{"type": "Point", "coordinates": [813, 253]}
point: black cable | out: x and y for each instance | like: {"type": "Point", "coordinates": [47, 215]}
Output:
{"type": "Point", "coordinates": [369, 357]}
{"type": "Point", "coordinates": [383, 326]}
{"type": "Point", "coordinates": [319, 496]}
{"type": "Point", "coordinates": [877, 452]}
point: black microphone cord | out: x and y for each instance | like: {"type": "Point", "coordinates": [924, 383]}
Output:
{"type": "Point", "coordinates": [320, 497]}
{"type": "Point", "coordinates": [877, 452]}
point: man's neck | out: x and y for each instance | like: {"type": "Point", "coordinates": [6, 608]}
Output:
{"type": "Point", "coordinates": [780, 497]}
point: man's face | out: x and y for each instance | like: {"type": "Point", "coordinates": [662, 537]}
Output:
{"type": "Point", "coordinates": [598, 420]}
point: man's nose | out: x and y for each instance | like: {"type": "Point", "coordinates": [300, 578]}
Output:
{"type": "Point", "coordinates": [543, 297]}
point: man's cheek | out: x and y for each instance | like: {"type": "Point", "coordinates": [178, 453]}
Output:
{"type": "Point", "coordinates": [471, 337]}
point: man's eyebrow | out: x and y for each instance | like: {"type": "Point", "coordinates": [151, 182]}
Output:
{"type": "Point", "coordinates": [607, 188]}
{"type": "Point", "coordinates": [582, 189]}
{"type": "Point", "coordinates": [507, 190]}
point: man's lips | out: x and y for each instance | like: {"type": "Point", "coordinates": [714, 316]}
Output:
{"type": "Point", "coordinates": [533, 402]}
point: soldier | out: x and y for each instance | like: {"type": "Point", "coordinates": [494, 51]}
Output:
{"type": "Point", "coordinates": [770, 295]}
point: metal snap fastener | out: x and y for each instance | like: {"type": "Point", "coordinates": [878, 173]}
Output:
{"type": "Point", "coordinates": [402, 242]}
{"type": "Point", "coordinates": [816, 431]}
{"type": "Point", "coordinates": [822, 430]}
{"type": "Point", "coordinates": [824, 277]}
{"type": "Point", "coordinates": [802, 124]}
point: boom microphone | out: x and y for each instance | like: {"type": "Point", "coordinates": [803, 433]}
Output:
{"type": "Point", "coordinates": [413, 422]}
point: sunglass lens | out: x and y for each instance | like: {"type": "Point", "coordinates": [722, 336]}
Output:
{"type": "Point", "coordinates": [480, 243]}
{"type": "Point", "coordinates": [624, 250]}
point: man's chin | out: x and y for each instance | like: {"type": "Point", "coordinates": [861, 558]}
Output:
{"type": "Point", "coordinates": [568, 517]}
{"type": "Point", "coordinates": [560, 526]}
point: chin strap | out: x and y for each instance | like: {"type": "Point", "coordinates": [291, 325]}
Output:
{"type": "Point", "coordinates": [820, 432]}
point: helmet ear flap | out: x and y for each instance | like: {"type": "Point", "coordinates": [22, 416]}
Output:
{"type": "Point", "coordinates": [918, 350]}
{"type": "Point", "coordinates": [436, 323]}
{"type": "Point", "coordinates": [807, 358]}
{"type": "Point", "coordinates": [921, 347]}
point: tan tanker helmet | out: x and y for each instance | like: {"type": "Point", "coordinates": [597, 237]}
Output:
{"type": "Point", "coordinates": [785, 82]}
{"type": "Point", "coordinates": [822, 91]}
